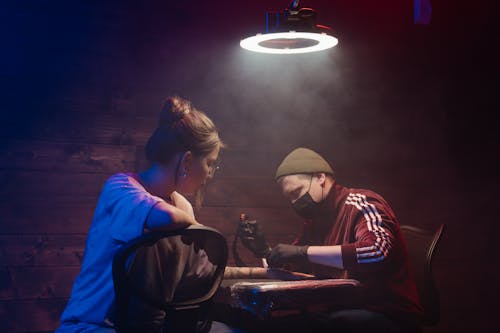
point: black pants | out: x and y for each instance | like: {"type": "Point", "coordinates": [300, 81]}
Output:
{"type": "Point", "coordinates": [363, 321]}
{"type": "Point", "coordinates": [340, 321]}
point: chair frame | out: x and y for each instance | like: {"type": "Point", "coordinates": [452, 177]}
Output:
{"type": "Point", "coordinates": [431, 316]}
{"type": "Point", "coordinates": [124, 289]}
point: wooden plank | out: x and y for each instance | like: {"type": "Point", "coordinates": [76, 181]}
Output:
{"type": "Point", "coordinates": [108, 129]}
{"type": "Point", "coordinates": [46, 216]}
{"type": "Point", "coordinates": [247, 192]}
{"type": "Point", "coordinates": [19, 283]}
{"type": "Point", "coordinates": [279, 225]}
{"type": "Point", "coordinates": [238, 163]}
{"type": "Point", "coordinates": [48, 156]}
{"type": "Point", "coordinates": [31, 315]}
{"type": "Point", "coordinates": [77, 126]}
{"type": "Point", "coordinates": [42, 250]}
{"type": "Point", "coordinates": [274, 221]}
{"type": "Point", "coordinates": [357, 169]}
{"type": "Point", "coordinates": [74, 217]}
{"type": "Point", "coordinates": [35, 185]}
{"type": "Point", "coordinates": [34, 200]}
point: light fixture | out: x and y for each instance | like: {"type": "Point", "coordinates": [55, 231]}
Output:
{"type": "Point", "coordinates": [290, 32]}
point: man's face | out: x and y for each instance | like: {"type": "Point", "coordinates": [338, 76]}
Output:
{"type": "Point", "coordinates": [295, 186]}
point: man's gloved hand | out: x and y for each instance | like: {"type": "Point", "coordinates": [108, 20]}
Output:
{"type": "Point", "coordinates": [253, 238]}
{"type": "Point", "coordinates": [283, 254]}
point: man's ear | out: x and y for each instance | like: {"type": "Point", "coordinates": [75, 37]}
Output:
{"type": "Point", "coordinates": [321, 179]}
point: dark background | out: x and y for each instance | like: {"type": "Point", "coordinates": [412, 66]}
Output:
{"type": "Point", "coordinates": [409, 111]}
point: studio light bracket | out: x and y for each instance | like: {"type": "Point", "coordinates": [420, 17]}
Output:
{"type": "Point", "coordinates": [293, 30]}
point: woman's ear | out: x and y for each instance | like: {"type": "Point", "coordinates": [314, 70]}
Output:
{"type": "Point", "coordinates": [187, 160]}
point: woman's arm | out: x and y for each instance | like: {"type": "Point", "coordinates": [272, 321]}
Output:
{"type": "Point", "coordinates": [167, 217]}
{"type": "Point", "coordinates": [263, 273]}
{"type": "Point", "coordinates": [182, 203]}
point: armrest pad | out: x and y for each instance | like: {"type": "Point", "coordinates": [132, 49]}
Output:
{"type": "Point", "coordinates": [265, 298]}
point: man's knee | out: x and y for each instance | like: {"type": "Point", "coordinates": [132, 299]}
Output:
{"type": "Point", "coordinates": [358, 320]}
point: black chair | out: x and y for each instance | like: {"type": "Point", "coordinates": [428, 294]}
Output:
{"type": "Point", "coordinates": [165, 281]}
{"type": "Point", "coordinates": [422, 246]}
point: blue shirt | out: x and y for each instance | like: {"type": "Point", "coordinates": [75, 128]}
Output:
{"type": "Point", "coordinates": [120, 215]}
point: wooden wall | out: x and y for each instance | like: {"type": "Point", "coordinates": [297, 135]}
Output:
{"type": "Point", "coordinates": [393, 108]}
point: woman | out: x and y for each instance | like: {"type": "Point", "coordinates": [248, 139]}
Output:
{"type": "Point", "coordinates": [183, 152]}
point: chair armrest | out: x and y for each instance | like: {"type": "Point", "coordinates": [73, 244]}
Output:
{"type": "Point", "coordinates": [267, 299]}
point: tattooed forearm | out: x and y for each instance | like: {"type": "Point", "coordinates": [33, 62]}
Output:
{"type": "Point", "coordinates": [245, 273]}
{"type": "Point", "coordinates": [263, 273]}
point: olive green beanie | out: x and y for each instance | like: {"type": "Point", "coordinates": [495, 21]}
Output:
{"type": "Point", "coordinates": [303, 160]}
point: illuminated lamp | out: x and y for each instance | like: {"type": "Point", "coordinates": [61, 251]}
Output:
{"type": "Point", "coordinates": [291, 31]}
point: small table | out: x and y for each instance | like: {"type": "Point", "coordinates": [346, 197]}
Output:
{"type": "Point", "coordinates": [260, 303]}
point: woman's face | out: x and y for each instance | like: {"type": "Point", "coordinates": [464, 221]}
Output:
{"type": "Point", "coordinates": [201, 169]}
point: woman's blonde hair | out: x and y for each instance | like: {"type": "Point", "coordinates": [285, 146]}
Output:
{"type": "Point", "coordinates": [181, 127]}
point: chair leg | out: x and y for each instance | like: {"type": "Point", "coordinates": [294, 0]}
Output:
{"type": "Point", "coordinates": [182, 320]}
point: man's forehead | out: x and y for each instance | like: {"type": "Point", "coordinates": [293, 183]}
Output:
{"type": "Point", "coordinates": [291, 181]}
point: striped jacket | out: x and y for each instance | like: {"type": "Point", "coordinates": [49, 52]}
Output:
{"type": "Point", "coordinates": [373, 250]}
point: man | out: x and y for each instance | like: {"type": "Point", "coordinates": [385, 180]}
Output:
{"type": "Point", "coordinates": [347, 233]}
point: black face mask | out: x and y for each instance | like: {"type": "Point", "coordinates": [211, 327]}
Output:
{"type": "Point", "coordinates": [306, 207]}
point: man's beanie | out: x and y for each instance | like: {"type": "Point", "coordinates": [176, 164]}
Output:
{"type": "Point", "coordinates": [303, 160]}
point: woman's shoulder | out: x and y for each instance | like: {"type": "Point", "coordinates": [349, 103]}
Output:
{"type": "Point", "coordinates": [122, 177]}
{"type": "Point", "coordinates": [123, 181]}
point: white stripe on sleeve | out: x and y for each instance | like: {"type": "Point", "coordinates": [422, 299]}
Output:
{"type": "Point", "coordinates": [380, 249]}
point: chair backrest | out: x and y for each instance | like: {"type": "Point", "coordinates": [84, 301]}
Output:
{"type": "Point", "coordinates": [422, 246]}
{"type": "Point", "coordinates": [164, 281]}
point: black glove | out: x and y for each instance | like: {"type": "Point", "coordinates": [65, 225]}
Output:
{"type": "Point", "coordinates": [283, 254]}
{"type": "Point", "coordinates": [253, 238]}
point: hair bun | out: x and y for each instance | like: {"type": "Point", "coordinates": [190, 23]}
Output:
{"type": "Point", "coordinates": [174, 109]}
